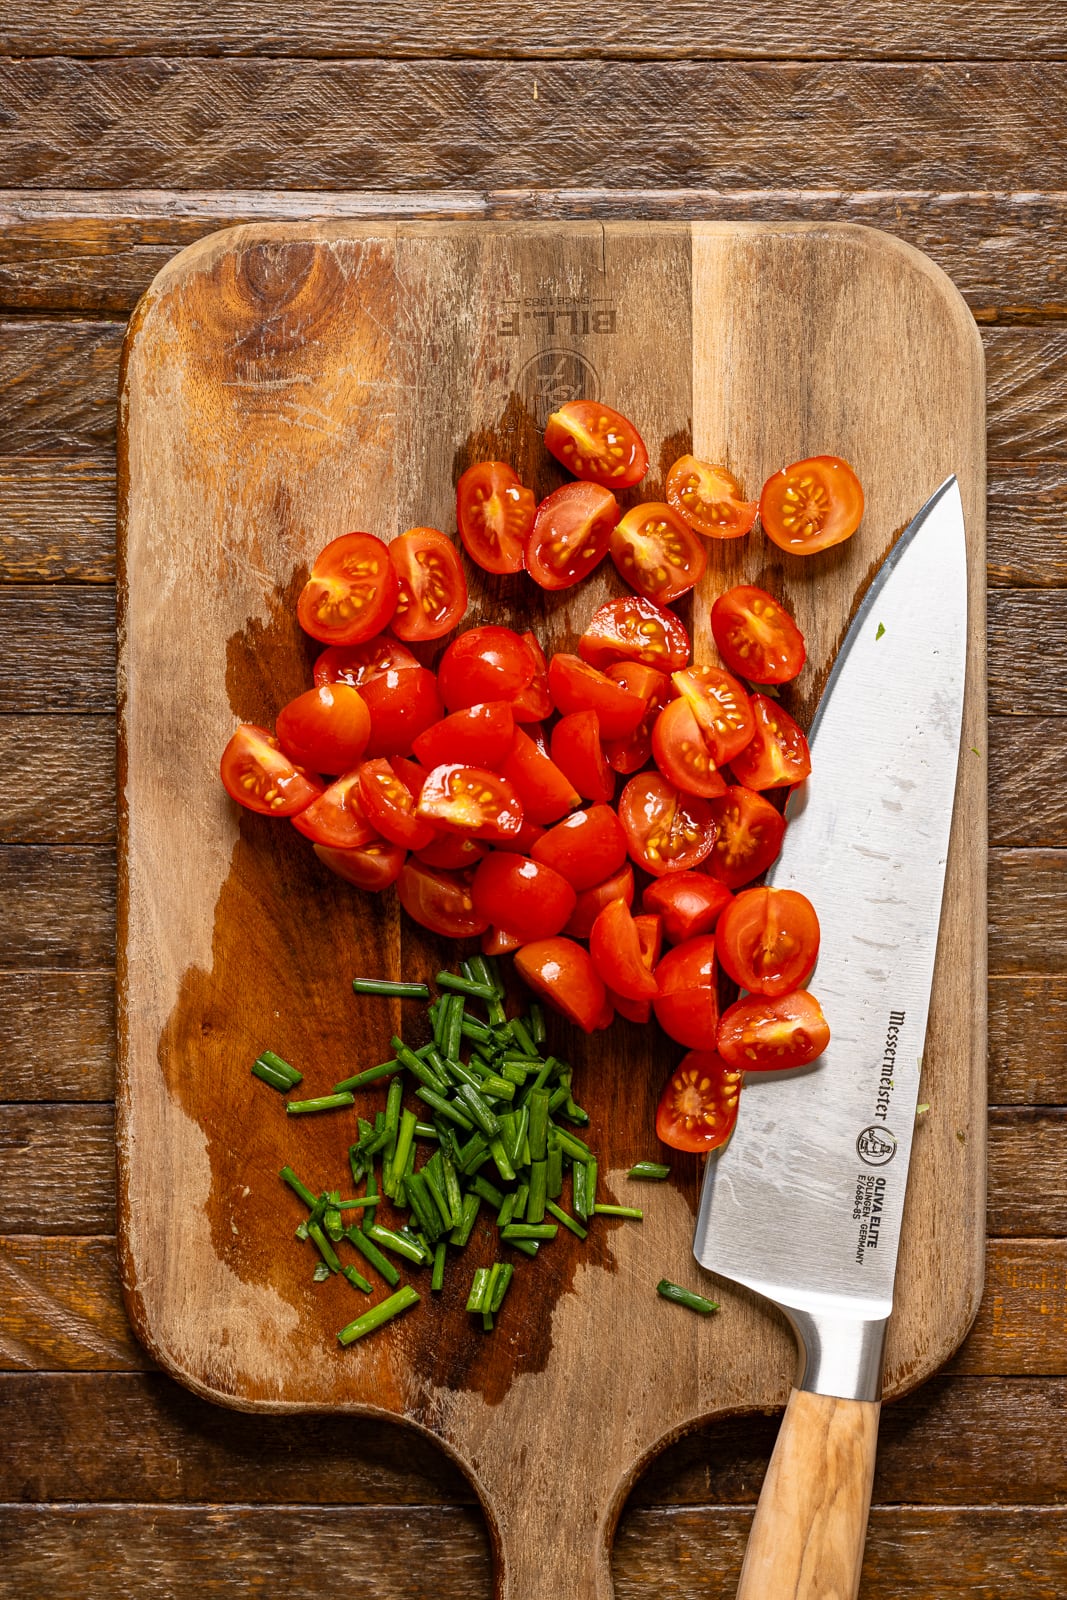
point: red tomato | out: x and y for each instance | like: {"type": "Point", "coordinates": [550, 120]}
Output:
{"type": "Point", "coordinates": [721, 708]}
{"type": "Point", "coordinates": [453, 851]}
{"type": "Point", "coordinates": [777, 754]}
{"type": "Point", "coordinates": [527, 898]}
{"type": "Point", "coordinates": [768, 940]}
{"type": "Point", "coordinates": [764, 1035]}
{"type": "Point", "coordinates": [615, 947]}
{"type": "Point", "coordinates": [749, 838]}
{"type": "Point", "coordinates": [681, 751]}
{"type": "Point", "coordinates": [338, 818]}
{"type": "Point", "coordinates": [576, 686]}
{"type": "Point", "coordinates": [494, 514]}
{"type": "Point", "coordinates": [528, 834]}
{"type": "Point", "coordinates": [257, 773]}
{"type": "Point", "coordinates": [546, 793]}
{"type": "Point", "coordinates": [586, 847]}
{"type": "Point", "coordinates": [634, 628]}
{"type": "Point", "coordinates": [689, 903]}
{"type": "Point", "coordinates": [562, 973]}
{"type": "Point", "coordinates": [597, 444]}
{"type": "Point", "coordinates": [356, 664]}
{"type": "Point", "coordinates": [656, 553]}
{"type": "Point", "coordinates": [402, 702]}
{"type": "Point", "coordinates": [484, 664]}
{"type": "Point", "coordinates": [534, 703]}
{"type": "Point", "coordinates": [351, 593]}
{"type": "Point", "coordinates": [698, 1108]}
{"type": "Point", "coordinates": [390, 806]}
{"type": "Point", "coordinates": [757, 638]}
{"type": "Point", "coordinates": [655, 688]}
{"type": "Point", "coordinates": [570, 534]}
{"type": "Point", "coordinates": [650, 938]}
{"type": "Point", "coordinates": [481, 736]}
{"type": "Point", "coordinates": [577, 752]}
{"type": "Point", "coordinates": [591, 902]}
{"type": "Point", "coordinates": [440, 901]}
{"type": "Point", "coordinates": [431, 588]}
{"type": "Point", "coordinates": [373, 866]}
{"type": "Point", "coordinates": [709, 499]}
{"type": "Point", "coordinates": [687, 1006]}
{"type": "Point", "coordinates": [497, 942]}
{"type": "Point", "coordinates": [665, 829]}
{"type": "Point", "coordinates": [811, 505]}
{"type": "Point", "coordinates": [326, 728]}
{"type": "Point", "coordinates": [471, 800]}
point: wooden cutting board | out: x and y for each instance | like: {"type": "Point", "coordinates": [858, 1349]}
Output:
{"type": "Point", "coordinates": [283, 384]}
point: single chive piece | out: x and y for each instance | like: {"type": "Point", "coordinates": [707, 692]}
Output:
{"type": "Point", "coordinates": [472, 1204]}
{"type": "Point", "coordinates": [489, 1293]}
{"type": "Point", "coordinates": [479, 1284]}
{"type": "Point", "coordinates": [537, 1023]}
{"type": "Point", "coordinates": [522, 1195]}
{"type": "Point", "coordinates": [395, 991]}
{"type": "Point", "coordinates": [383, 1312]}
{"type": "Point", "coordinates": [323, 1246]}
{"type": "Point", "coordinates": [559, 1098]}
{"type": "Point", "coordinates": [332, 1224]}
{"type": "Point", "coordinates": [404, 1145]}
{"type": "Point", "coordinates": [437, 1277]}
{"type": "Point", "coordinates": [502, 1159]}
{"type": "Point", "coordinates": [301, 1231]}
{"type": "Point", "coordinates": [464, 986]}
{"type": "Point", "coordinates": [500, 1288]}
{"type": "Point", "coordinates": [442, 1208]}
{"type": "Point", "coordinates": [473, 1104]}
{"type": "Point", "coordinates": [554, 1176]}
{"type": "Point", "coordinates": [619, 1211]}
{"type": "Point", "coordinates": [497, 1015]}
{"type": "Point", "coordinates": [452, 1191]}
{"type": "Point", "coordinates": [686, 1297]}
{"type": "Point", "coordinates": [453, 1039]}
{"type": "Point", "coordinates": [270, 1059]}
{"type": "Point", "coordinates": [535, 1203]}
{"type": "Point", "coordinates": [439, 1021]}
{"type": "Point", "coordinates": [485, 974]}
{"type": "Point", "coordinates": [400, 1244]}
{"type": "Point", "coordinates": [473, 1154]}
{"type": "Point", "coordinates": [321, 1273]}
{"type": "Point", "coordinates": [369, 1250]}
{"type": "Point", "coordinates": [507, 1210]}
{"type": "Point", "coordinates": [529, 1230]}
{"type": "Point", "coordinates": [288, 1176]}
{"type": "Point", "coordinates": [515, 1137]}
{"type": "Point", "coordinates": [529, 1247]}
{"type": "Point", "coordinates": [325, 1102]}
{"type": "Point", "coordinates": [357, 1280]}
{"type": "Point", "coordinates": [445, 1108]}
{"type": "Point", "coordinates": [372, 1194]}
{"type": "Point", "coordinates": [460, 1072]}
{"type": "Point", "coordinates": [515, 1072]}
{"type": "Point", "coordinates": [418, 1068]}
{"type": "Point", "coordinates": [357, 1205]}
{"type": "Point", "coordinates": [548, 1068]}
{"type": "Point", "coordinates": [372, 1075]}
{"type": "Point", "coordinates": [501, 1088]}
{"type": "Point", "coordinates": [488, 1192]}
{"type": "Point", "coordinates": [580, 1190]}
{"type": "Point", "coordinates": [426, 1130]}
{"type": "Point", "coordinates": [568, 1222]}
{"type": "Point", "coordinates": [651, 1171]}
{"type": "Point", "coordinates": [273, 1080]}
{"type": "Point", "coordinates": [575, 1147]}
{"type": "Point", "coordinates": [476, 1031]}
{"type": "Point", "coordinates": [537, 1104]}
{"type": "Point", "coordinates": [420, 1198]}
{"type": "Point", "coordinates": [393, 1104]}
{"type": "Point", "coordinates": [521, 1036]}
{"type": "Point", "coordinates": [590, 1185]}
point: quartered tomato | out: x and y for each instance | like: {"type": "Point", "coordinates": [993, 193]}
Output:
{"type": "Point", "coordinates": [471, 800]}
{"type": "Point", "coordinates": [546, 793]}
{"type": "Point", "coordinates": [431, 588]}
{"type": "Point", "coordinates": [698, 1108]}
{"type": "Point", "coordinates": [811, 505]}
{"type": "Point", "coordinates": [615, 946]}
{"type": "Point", "coordinates": [768, 940]}
{"type": "Point", "coordinates": [480, 736]}
{"type": "Point", "coordinates": [528, 899]}
{"type": "Point", "coordinates": [721, 708]}
{"type": "Point", "coordinates": [597, 444]}
{"type": "Point", "coordinates": [689, 903]}
{"type": "Point", "coordinates": [631, 753]}
{"type": "Point", "coordinates": [665, 829]}
{"type": "Point", "coordinates": [562, 973]}
{"type": "Point", "coordinates": [757, 638]}
{"type": "Point", "coordinates": [372, 866]}
{"type": "Point", "coordinates": [498, 942]}
{"type": "Point", "coordinates": [494, 514]}
{"type": "Point", "coordinates": [338, 817]}
{"type": "Point", "coordinates": [650, 941]}
{"type": "Point", "coordinates": [534, 703]}
{"type": "Point", "coordinates": [687, 1005]}
{"type": "Point", "coordinates": [326, 728]}
{"type": "Point", "coordinates": [356, 664]}
{"type": "Point", "coordinates": [763, 1035]}
{"type": "Point", "coordinates": [257, 773]}
{"type": "Point", "coordinates": [634, 628]}
{"type": "Point", "coordinates": [586, 847]}
{"type": "Point", "coordinates": [453, 851]}
{"type": "Point", "coordinates": [487, 663]}
{"type": "Point", "coordinates": [390, 805]}
{"type": "Point", "coordinates": [656, 552]}
{"type": "Point", "coordinates": [402, 701]}
{"type": "Point", "coordinates": [439, 900]}
{"type": "Point", "coordinates": [579, 755]}
{"type": "Point", "coordinates": [570, 534]}
{"type": "Point", "coordinates": [576, 686]}
{"type": "Point", "coordinates": [351, 593]}
{"type": "Point", "coordinates": [591, 902]}
{"type": "Point", "coordinates": [777, 754]}
{"type": "Point", "coordinates": [682, 753]}
{"type": "Point", "coordinates": [709, 499]}
{"type": "Point", "coordinates": [750, 833]}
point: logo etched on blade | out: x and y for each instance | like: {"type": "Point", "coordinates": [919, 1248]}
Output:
{"type": "Point", "coordinates": [876, 1146]}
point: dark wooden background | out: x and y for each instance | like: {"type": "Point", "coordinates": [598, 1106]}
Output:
{"type": "Point", "coordinates": [127, 130]}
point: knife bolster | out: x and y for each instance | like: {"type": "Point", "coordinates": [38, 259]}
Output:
{"type": "Point", "coordinates": [839, 1356]}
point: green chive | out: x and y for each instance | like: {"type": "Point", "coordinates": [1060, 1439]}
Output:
{"type": "Point", "coordinates": [426, 1130]}
{"type": "Point", "coordinates": [507, 1211]}
{"type": "Point", "coordinates": [437, 1277]}
{"type": "Point", "coordinates": [357, 1205]}
{"type": "Point", "coordinates": [369, 1250]}
{"type": "Point", "coordinates": [537, 1023]}
{"type": "Point", "coordinates": [529, 1247]}
{"type": "Point", "coordinates": [473, 1104]}
{"type": "Point", "coordinates": [580, 1190]}
{"type": "Point", "coordinates": [357, 1280]}
{"type": "Point", "coordinates": [535, 1204]}
{"type": "Point", "coordinates": [619, 1211]}
{"type": "Point", "coordinates": [418, 1068]}
{"type": "Point", "coordinates": [288, 1176]}
{"type": "Point", "coordinates": [445, 1108]}
{"type": "Point", "coordinates": [372, 1194]}
{"type": "Point", "coordinates": [502, 1159]}
{"type": "Point", "coordinates": [488, 1192]}
{"type": "Point", "coordinates": [372, 1075]}
{"type": "Point", "coordinates": [476, 1300]}
{"type": "Point", "coordinates": [323, 1246]}
{"type": "Point", "coordinates": [686, 1297]}
{"type": "Point", "coordinates": [276, 1064]}
{"type": "Point", "coordinates": [274, 1080]}
{"type": "Point", "coordinates": [503, 1283]}
{"type": "Point", "coordinates": [554, 1177]}
{"type": "Point", "coordinates": [321, 1273]}
{"type": "Point", "coordinates": [476, 1031]}
{"type": "Point", "coordinates": [522, 1037]}
{"type": "Point", "coordinates": [537, 1104]}
{"type": "Point", "coordinates": [653, 1171]}
{"type": "Point", "coordinates": [325, 1102]}
{"type": "Point", "coordinates": [395, 991]}
{"type": "Point", "coordinates": [472, 1204]}
{"type": "Point", "coordinates": [454, 1027]}
{"type": "Point", "coordinates": [400, 1244]}
{"type": "Point", "coordinates": [464, 986]}
{"type": "Point", "coordinates": [568, 1222]}
{"type": "Point", "coordinates": [530, 1230]}
{"type": "Point", "coordinates": [384, 1312]}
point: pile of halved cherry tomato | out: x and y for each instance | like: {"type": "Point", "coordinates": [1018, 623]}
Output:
{"type": "Point", "coordinates": [486, 790]}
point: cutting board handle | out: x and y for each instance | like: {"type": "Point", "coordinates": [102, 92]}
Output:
{"type": "Point", "coordinates": [807, 1538]}
{"type": "Point", "coordinates": [551, 1543]}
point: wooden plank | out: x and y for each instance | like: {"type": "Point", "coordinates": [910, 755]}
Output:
{"type": "Point", "coordinates": [1026, 1016]}
{"type": "Point", "coordinates": [1027, 931]}
{"type": "Point", "coordinates": [57, 1035]}
{"type": "Point", "coordinates": [59, 650]}
{"type": "Point", "coordinates": [1027, 781]}
{"type": "Point", "coordinates": [1028, 655]}
{"type": "Point", "coordinates": [66, 900]}
{"type": "Point", "coordinates": [66, 788]}
{"type": "Point", "coordinates": [1028, 1171]}
{"type": "Point", "coordinates": [1026, 392]}
{"type": "Point", "coordinates": [1027, 503]}
{"type": "Point", "coordinates": [1021, 1325]}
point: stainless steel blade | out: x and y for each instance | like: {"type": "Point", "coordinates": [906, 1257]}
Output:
{"type": "Point", "coordinates": [804, 1203]}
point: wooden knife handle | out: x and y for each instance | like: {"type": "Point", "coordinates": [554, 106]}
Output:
{"type": "Point", "coordinates": [807, 1537]}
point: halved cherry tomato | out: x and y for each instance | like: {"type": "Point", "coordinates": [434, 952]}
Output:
{"type": "Point", "coordinates": [709, 499]}
{"type": "Point", "coordinates": [257, 773]}
{"type": "Point", "coordinates": [372, 866]}
{"type": "Point", "coordinates": [597, 444]}
{"type": "Point", "coordinates": [527, 898]}
{"type": "Point", "coordinates": [570, 534]}
{"type": "Point", "coordinates": [439, 900]}
{"type": "Point", "coordinates": [562, 973]}
{"type": "Point", "coordinates": [665, 829]}
{"type": "Point", "coordinates": [768, 940]}
{"type": "Point", "coordinates": [698, 1108]}
{"type": "Point", "coordinates": [481, 736]}
{"type": "Point", "coordinates": [586, 847]}
{"type": "Point", "coordinates": [484, 664]}
{"type": "Point", "coordinates": [634, 628]}
{"type": "Point", "coordinates": [390, 806]}
{"type": "Point", "coordinates": [453, 851]}
{"type": "Point", "coordinates": [498, 942]}
{"type": "Point", "coordinates": [494, 514]}
{"type": "Point", "coordinates": [356, 664]}
{"type": "Point", "coordinates": [756, 636]}
{"type": "Point", "coordinates": [750, 833]}
{"type": "Point", "coordinates": [579, 755]}
{"type": "Point", "coordinates": [689, 903]}
{"type": "Point", "coordinates": [338, 817]}
{"type": "Point", "coordinates": [681, 751]}
{"type": "Point", "coordinates": [431, 588]}
{"type": "Point", "coordinates": [471, 800]}
{"type": "Point", "coordinates": [534, 703]}
{"type": "Point", "coordinates": [576, 686]}
{"type": "Point", "coordinates": [402, 701]}
{"type": "Point", "coordinates": [615, 947]}
{"type": "Point", "coordinates": [811, 505]}
{"type": "Point", "coordinates": [650, 939]}
{"type": "Point", "coordinates": [721, 708]}
{"type": "Point", "coordinates": [764, 1035]}
{"type": "Point", "coordinates": [656, 552]}
{"type": "Point", "coordinates": [687, 1005]}
{"type": "Point", "coordinates": [546, 793]}
{"type": "Point", "coordinates": [326, 728]}
{"type": "Point", "coordinates": [591, 902]}
{"type": "Point", "coordinates": [655, 688]}
{"type": "Point", "coordinates": [351, 593]}
{"type": "Point", "coordinates": [777, 754]}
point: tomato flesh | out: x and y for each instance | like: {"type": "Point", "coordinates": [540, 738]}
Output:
{"type": "Point", "coordinates": [634, 628]}
{"type": "Point", "coordinates": [257, 773]}
{"type": "Point", "coordinates": [351, 593]}
{"type": "Point", "coordinates": [750, 834]}
{"type": "Point", "coordinates": [373, 866]}
{"type": "Point", "coordinates": [762, 1034]}
{"type": "Point", "coordinates": [356, 664]}
{"type": "Point", "coordinates": [681, 752]}
{"type": "Point", "coordinates": [709, 499]}
{"type": "Point", "coordinates": [768, 940]}
{"type": "Point", "coordinates": [431, 588]}
{"type": "Point", "coordinates": [687, 1005]}
{"type": "Point", "coordinates": [534, 702]}
{"type": "Point", "coordinates": [597, 444]}
{"type": "Point", "coordinates": [390, 805]}
{"type": "Point", "coordinates": [586, 847]}
{"type": "Point", "coordinates": [326, 728]}
{"type": "Point", "coordinates": [579, 755]}
{"type": "Point", "coordinates": [777, 754]}
{"type": "Point", "coordinates": [338, 817]}
{"type": "Point", "coordinates": [471, 800]}
{"type": "Point", "coordinates": [721, 708]}
{"type": "Point", "coordinates": [562, 973]}
{"type": "Point", "coordinates": [591, 902]}
{"type": "Point", "coordinates": [756, 636]}
{"type": "Point", "coordinates": [689, 903]}
{"type": "Point", "coordinates": [546, 793]}
{"type": "Point", "coordinates": [698, 1108]}
{"type": "Point", "coordinates": [440, 900]}
{"type": "Point", "coordinates": [657, 553]}
{"type": "Point", "coordinates": [576, 686]}
{"type": "Point", "coordinates": [570, 534]}
{"type": "Point", "coordinates": [615, 946]}
{"type": "Point", "coordinates": [480, 736]}
{"type": "Point", "coordinates": [524, 896]}
{"type": "Point", "coordinates": [811, 505]}
{"type": "Point", "coordinates": [494, 515]}
{"type": "Point", "coordinates": [665, 829]}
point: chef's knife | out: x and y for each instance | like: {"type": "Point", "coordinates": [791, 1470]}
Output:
{"type": "Point", "coordinates": [804, 1204]}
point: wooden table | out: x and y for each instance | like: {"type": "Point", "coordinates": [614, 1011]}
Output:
{"type": "Point", "coordinates": [127, 130]}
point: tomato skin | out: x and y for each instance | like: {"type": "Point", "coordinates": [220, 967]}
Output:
{"type": "Point", "coordinates": [546, 793]}
{"type": "Point", "coordinates": [687, 1006]}
{"type": "Point", "coordinates": [681, 752]}
{"type": "Point", "coordinates": [562, 973]}
{"type": "Point", "coordinates": [750, 834]}
{"type": "Point", "coordinates": [634, 628]}
{"type": "Point", "coordinates": [257, 773]}
{"type": "Point", "coordinates": [689, 903]}
{"type": "Point", "coordinates": [756, 636]}
{"type": "Point", "coordinates": [454, 852]}
{"type": "Point", "coordinates": [768, 940]}
{"type": "Point", "coordinates": [338, 817]}
{"type": "Point", "coordinates": [762, 1034]}
{"type": "Point", "coordinates": [390, 805]}
{"type": "Point", "coordinates": [484, 664]}
{"type": "Point", "coordinates": [480, 736]}
{"type": "Point", "coordinates": [402, 702]}
{"type": "Point", "coordinates": [597, 444]}
{"type": "Point", "coordinates": [498, 942]}
{"type": "Point", "coordinates": [326, 728]}
{"type": "Point", "coordinates": [721, 708]}
{"type": "Point", "coordinates": [656, 553]}
{"type": "Point", "coordinates": [655, 688]}
{"type": "Point", "coordinates": [494, 515]}
{"type": "Point", "coordinates": [698, 1108]}
{"type": "Point", "coordinates": [576, 686]}
{"type": "Point", "coordinates": [471, 800]}
{"type": "Point", "coordinates": [431, 588]}
{"type": "Point", "coordinates": [666, 830]}
{"type": "Point", "coordinates": [373, 866]}
{"type": "Point", "coordinates": [570, 534]}
{"type": "Point", "coordinates": [439, 900]}
{"type": "Point", "coordinates": [577, 752]}
{"type": "Point", "coordinates": [591, 902]}
{"type": "Point", "coordinates": [615, 947]}
{"type": "Point", "coordinates": [777, 754]}
{"type": "Point", "coordinates": [524, 896]}
{"type": "Point", "coordinates": [534, 703]}
{"type": "Point", "coordinates": [356, 664]}
{"type": "Point", "coordinates": [708, 498]}
{"type": "Point", "coordinates": [351, 593]}
{"type": "Point", "coordinates": [811, 505]}
{"type": "Point", "coordinates": [586, 847]}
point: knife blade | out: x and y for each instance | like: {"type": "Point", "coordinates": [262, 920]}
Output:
{"type": "Point", "coordinates": [804, 1204]}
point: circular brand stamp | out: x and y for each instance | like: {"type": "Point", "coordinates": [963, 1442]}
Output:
{"type": "Point", "coordinates": [876, 1146]}
{"type": "Point", "coordinates": [552, 377]}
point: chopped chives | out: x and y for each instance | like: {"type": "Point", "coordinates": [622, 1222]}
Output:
{"type": "Point", "coordinates": [537, 1105]}
{"type": "Point", "coordinates": [472, 1204]}
{"type": "Point", "coordinates": [323, 1246]}
{"type": "Point", "coordinates": [371, 1075]}
{"type": "Point", "coordinates": [369, 1250]}
{"type": "Point", "coordinates": [554, 1177]}
{"type": "Point", "coordinates": [332, 1224]}
{"type": "Point", "coordinates": [399, 1243]}
{"type": "Point", "coordinates": [686, 1297]}
{"type": "Point", "coordinates": [276, 1064]}
{"type": "Point", "coordinates": [465, 986]}
{"type": "Point", "coordinates": [537, 1023]}
{"type": "Point", "coordinates": [321, 1273]}
{"type": "Point", "coordinates": [325, 1102]}
{"type": "Point", "coordinates": [522, 1195]}
{"type": "Point", "coordinates": [652, 1171]}
{"type": "Point", "coordinates": [357, 1205]}
{"type": "Point", "coordinates": [445, 1108]}
{"type": "Point", "coordinates": [476, 1300]}
{"type": "Point", "coordinates": [288, 1176]}
{"type": "Point", "coordinates": [580, 1190]}
{"type": "Point", "coordinates": [476, 1031]}
{"type": "Point", "coordinates": [473, 1104]}
{"type": "Point", "coordinates": [507, 1210]}
{"type": "Point", "coordinates": [521, 1037]}
{"type": "Point", "coordinates": [395, 991]}
{"type": "Point", "coordinates": [535, 1203]}
{"type": "Point", "coordinates": [420, 1069]}
{"type": "Point", "coordinates": [426, 1130]}
{"type": "Point", "coordinates": [530, 1230]}
{"type": "Point", "coordinates": [404, 1138]}
{"type": "Point", "coordinates": [437, 1277]}
{"type": "Point", "coordinates": [568, 1222]}
{"type": "Point", "coordinates": [484, 973]}
{"type": "Point", "coordinates": [372, 1194]}
{"type": "Point", "coordinates": [383, 1312]}
{"type": "Point", "coordinates": [502, 1159]}
{"type": "Point", "coordinates": [574, 1146]}
{"type": "Point", "coordinates": [488, 1192]}
{"type": "Point", "coordinates": [357, 1280]}
{"type": "Point", "coordinates": [529, 1247]}
{"type": "Point", "coordinates": [619, 1211]}
{"type": "Point", "coordinates": [453, 1036]}
{"type": "Point", "coordinates": [503, 1283]}
{"type": "Point", "coordinates": [274, 1080]}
